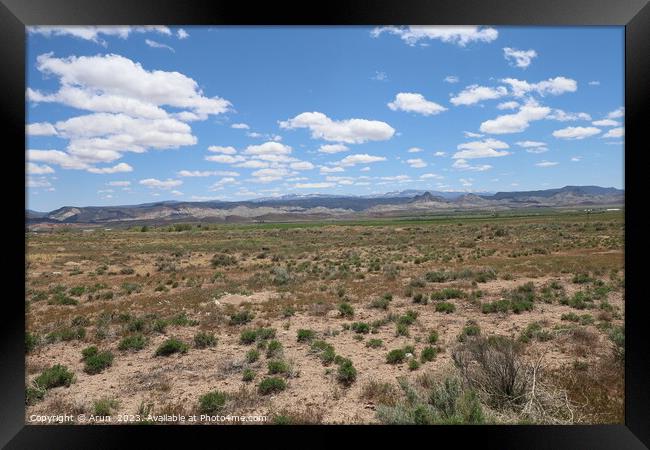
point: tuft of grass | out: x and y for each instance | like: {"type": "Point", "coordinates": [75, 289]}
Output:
{"type": "Point", "coordinates": [104, 406]}
{"type": "Point", "coordinates": [203, 339]}
{"type": "Point", "coordinates": [96, 361]}
{"type": "Point", "coordinates": [55, 376]}
{"type": "Point", "coordinates": [273, 349]}
{"type": "Point", "coordinates": [346, 373]}
{"type": "Point", "coordinates": [396, 356]}
{"type": "Point", "coordinates": [277, 367]}
{"type": "Point", "coordinates": [171, 346]}
{"type": "Point", "coordinates": [445, 307]}
{"type": "Point", "coordinates": [346, 310]}
{"type": "Point", "coordinates": [133, 342]}
{"type": "Point", "coordinates": [304, 335]}
{"type": "Point", "coordinates": [241, 317]}
{"type": "Point", "coordinates": [248, 375]}
{"type": "Point", "coordinates": [212, 403]}
{"type": "Point", "coordinates": [252, 356]}
{"type": "Point", "coordinates": [374, 343]}
{"type": "Point", "coordinates": [271, 385]}
{"type": "Point", "coordinates": [429, 353]}
{"type": "Point", "coordinates": [361, 327]}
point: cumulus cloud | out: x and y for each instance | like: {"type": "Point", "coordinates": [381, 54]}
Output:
{"type": "Point", "coordinates": [488, 148]}
{"type": "Point", "coordinates": [40, 129]}
{"type": "Point", "coordinates": [94, 33]}
{"type": "Point", "coordinates": [270, 174]}
{"type": "Point", "coordinates": [519, 58]}
{"type": "Point", "coordinates": [553, 86]}
{"type": "Point", "coordinates": [35, 169]}
{"type": "Point", "coordinates": [415, 150]}
{"type": "Point", "coordinates": [517, 122]}
{"type": "Point", "coordinates": [225, 159]}
{"type": "Point", "coordinates": [459, 35]}
{"type": "Point", "coordinates": [617, 113]}
{"type": "Point", "coordinates": [533, 146]}
{"type": "Point", "coordinates": [218, 185]}
{"type": "Point", "coordinates": [331, 169]}
{"type": "Point", "coordinates": [351, 131]}
{"type": "Point", "coordinates": [118, 168]}
{"type": "Point", "coordinates": [313, 185]}
{"type": "Point", "coordinates": [220, 149]}
{"type": "Point", "coordinates": [451, 79]}
{"type": "Point", "coordinates": [240, 126]}
{"type": "Point", "coordinates": [615, 133]}
{"type": "Point", "coordinates": [462, 164]}
{"type": "Point", "coordinates": [413, 102]}
{"type": "Point", "coordinates": [508, 105]}
{"type": "Point", "coordinates": [362, 158]}
{"type": "Point", "coordinates": [562, 116]}
{"type": "Point", "coordinates": [605, 123]}
{"type": "Point", "coordinates": [182, 34]}
{"type": "Point", "coordinates": [154, 183]}
{"type": "Point", "coordinates": [302, 165]}
{"type": "Point", "coordinates": [416, 163]}
{"type": "Point", "coordinates": [576, 133]}
{"type": "Point", "coordinates": [252, 164]}
{"type": "Point", "coordinates": [154, 44]}
{"type": "Point", "coordinates": [207, 173]}
{"type": "Point", "coordinates": [475, 94]}
{"type": "Point", "coordinates": [594, 83]}
{"type": "Point", "coordinates": [119, 183]}
{"type": "Point", "coordinates": [546, 164]}
{"type": "Point", "coordinates": [333, 148]}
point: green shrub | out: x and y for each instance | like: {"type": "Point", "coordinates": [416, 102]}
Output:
{"type": "Point", "coordinates": [77, 291]}
{"type": "Point", "coordinates": [396, 356]}
{"type": "Point", "coordinates": [324, 350]}
{"type": "Point", "coordinates": [420, 299]}
{"type": "Point", "coordinates": [433, 337]}
{"type": "Point", "coordinates": [241, 317]}
{"type": "Point", "coordinates": [252, 355]}
{"type": "Point", "coordinates": [273, 349]}
{"type": "Point", "coordinates": [248, 336]}
{"type": "Point", "coordinates": [170, 346]}
{"type": "Point", "coordinates": [104, 406]}
{"type": "Point", "coordinates": [277, 367]}
{"type": "Point", "coordinates": [581, 278]}
{"type": "Point", "coordinates": [98, 362]}
{"type": "Point", "coordinates": [346, 310]}
{"type": "Point", "coordinates": [445, 307]}
{"type": "Point", "coordinates": [212, 403]}
{"type": "Point", "coordinates": [271, 385]}
{"type": "Point", "coordinates": [160, 325]}
{"type": "Point", "coordinates": [471, 329]}
{"type": "Point", "coordinates": [428, 354]}
{"type": "Point", "coordinates": [401, 329]}
{"type": "Point", "coordinates": [264, 334]}
{"type": "Point", "coordinates": [31, 341]}
{"type": "Point", "coordinates": [495, 306]}
{"type": "Point", "coordinates": [89, 351]}
{"type": "Point", "coordinates": [346, 373]}
{"type": "Point", "coordinates": [55, 376]}
{"type": "Point", "coordinates": [571, 317]}
{"type": "Point", "coordinates": [380, 303]}
{"type": "Point", "coordinates": [447, 293]}
{"type": "Point", "coordinates": [204, 339]}
{"type": "Point", "coordinates": [222, 260]}
{"type": "Point", "coordinates": [361, 327]}
{"type": "Point", "coordinates": [436, 277]}
{"type": "Point", "coordinates": [248, 375]}
{"type": "Point", "coordinates": [414, 364]}
{"type": "Point", "coordinates": [306, 335]}
{"type": "Point", "coordinates": [34, 394]}
{"type": "Point", "coordinates": [133, 342]}
{"type": "Point", "coordinates": [61, 299]}
{"type": "Point", "coordinates": [374, 343]}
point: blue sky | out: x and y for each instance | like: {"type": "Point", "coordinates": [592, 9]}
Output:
{"type": "Point", "coordinates": [131, 115]}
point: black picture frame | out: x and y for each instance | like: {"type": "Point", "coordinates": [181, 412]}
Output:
{"type": "Point", "coordinates": [633, 14]}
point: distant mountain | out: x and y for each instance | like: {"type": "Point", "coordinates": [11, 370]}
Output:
{"type": "Point", "coordinates": [322, 206]}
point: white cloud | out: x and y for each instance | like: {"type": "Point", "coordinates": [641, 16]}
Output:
{"type": "Point", "coordinates": [207, 173]}
{"type": "Point", "coordinates": [594, 83]}
{"type": "Point", "coordinates": [119, 183]}
{"type": "Point", "coordinates": [615, 133]}
{"type": "Point", "coordinates": [253, 164]}
{"type": "Point", "coordinates": [365, 169]}
{"type": "Point", "coordinates": [270, 174]}
{"type": "Point", "coordinates": [481, 149]}
{"type": "Point", "coordinates": [118, 168]}
{"type": "Point", "coordinates": [426, 176]}
{"type": "Point", "coordinates": [313, 185]}
{"type": "Point", "coordinates": [416, 163]}
{"type": "Point", "coordinates": [222, 182]}
{"type": "Point", "coordinates": [93, 33]}
{"type": "Point", "coordinates": [159, 184]}
{"type": "Point", "coordinates": [451, 79]}
{"type": "Point", "coordinates": [546, 164]}
{"type": "Point", "coordinates": [413, 102]}
{"type": "Point", "coordinates": [563, 116]}
{"type": "Point", "coordinates": [508, 105]}
{"type": "Point", "coordinates": [415, 150]}
{"type": "Point", "coordinates": [301, 165]}
{"type": "Point", "coordinates": [398, 178]}
{"type": "Point", "coordinates": [440, 154]}
{"type": "Point", "coordinates": [335, 169]}
{"type": "Point", "coordinates": [605, 123]}
{"type": "Point", "coordinates": [517, 122]}
{"type": "Point", "coordinates": [154, 44]}
{"type": "Point", "coordinates": [576, 159]}
{"type": "Point", "coordinates": [362, 158]}
{"type": "Point", "coordinates": [240, 126]}
{"type": "Point", "coordinates": [379, 76]}
{"type": "Point", "coordinates": [576, 132]}
{"type": "Point", "coordinates": [553, 86]}
{"type": "Point", "coordinates": [38, 182]}
{"type": "Point", "coordinates": [40, 129]}
{"type": "Point", "coordinates": [224, 150]}
{"type": "Point", "coordinates": [182, 34]}
{"type": "Point", "coordinates": [351, 131]}
{"type": "Point", "coordinates": [459, 35]}
{"type": "Point", "coordinates": [533, 146]}
{"type": "Point", "coordinates": [475, 94]}
{"type": "Point", "coordinates": [519, 58]}
{"type": "Point", "coordinates": [333, 148]}
{"type": "Point", "coordinates": [617, 113]}
{"type": "Point", "coordinates": [177, 193]}
{"type": "Point", "coordinates": [35, 169]}
{"type": "Point", "coordinates": [268, 148]}
{"type": "Point", "coordinates": [466, 182]}
{"type": "Point", "coordinates": [225, 159]}
{"type": "Point", "coordinates": [462, 164]}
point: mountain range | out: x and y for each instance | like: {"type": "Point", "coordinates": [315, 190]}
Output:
{"type": "Point", "coordinates": [322, 206]}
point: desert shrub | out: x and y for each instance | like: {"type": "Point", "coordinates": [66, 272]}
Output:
{"type": "Point", "coordinates": [271, 385]}
{"type": "Point", "coordinates": [77, 291]}
{"type": "Point", "coordinates": [396, 356]}
{"type": "Point", "coordinates": [429, 353]}
{"type": "Point", "coordinates": [264, 334]}
{"type": "Point", "coordinates": [443, 403]}
{"type": "Point", "coordinates": [277, 367]}
{"type": "Point", "coordinates": [252, 355]}
{"type": "Point", "coordinates": [433, 337]}
{"type": "Point", "coordinates": [273, 349]}
{"type": "Point", "coordinates": [436, 277]}
{"type": "Point", "coordinates": [203, 339]}
{"type": "Point", "coordinates": [617, 336]}
{"type": "Point", "coordinates": [324, 351]}
{"type": "Point", "coordinates": [222, 260]}
{"type": "Point", "coordinates": [380, 393]}
{"type": "Point", "coordinates": [493, 366]}
{"type": "Point", "coordinates": [130, 288]}
{"type": "Point", "coordinates": [31, 341]}
{"type": "Point", "coordinates": [212, 403]}
{"type": "Point", "coordinates": [89, 351]}
{"type": "Point", "coordinates": [414, 364]}
{"type": "Point", "coordinates": [401, 329]}
{"type": "Point", "coordinates": [160, 325]}
{"type": "Point", "coordinates": [445, 307]}
{"type": "Point", "coordinates": [281, 276]}
{"type": "Point", "coordinates": [104, 406]}
{"type": "Point", "coordinates": [133, 342]}
{"type": "Point", "coordinates": [34, 394]}
{"type": "Point", "coordinates": [241, 317]}
{"type": "Point", "coordinates": [361, 327]}
{"type": "Point", "coordinates": [127, 271]}
{"type": "Point", "coordinates": [470, 329]}
{"type": "Point", "coordinates": [247, 336]}
{"type": "Point", "coordinates": [248, 375]}
{"type": "Point", "coordinates": [374, 343]}
{"type": "Point", "coordinates": [408, 318]}
{"type": "Point", "coordinates": [346, 373]}
{"type": "Point", "coordinates": [170, 346]}
{"type": "Point", "coordinates": [96, 361]}
{"type": "Point", "coordinates": [380, 303]}
{"type": "Point", "coordinates": [495, 306]}
{"type": "Point", "coordinates": [571, 317]}
{"type": "Point", "coordinates": [447, 293]}
{"type": "Point", "coordinates": [55, 376]}
{"type": "Point", "coordinates": [420, 299]}
{"type": "Point", "coordinates": [346, 310]}
{"type": "Point", "coordinates": [60, 298]}
{"type": "Point", "coordinates": [305, 335]}
{"type": "Point", "coordinates": [534, 331]}
{"type": "Point", "coordinates": [582, 278]}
